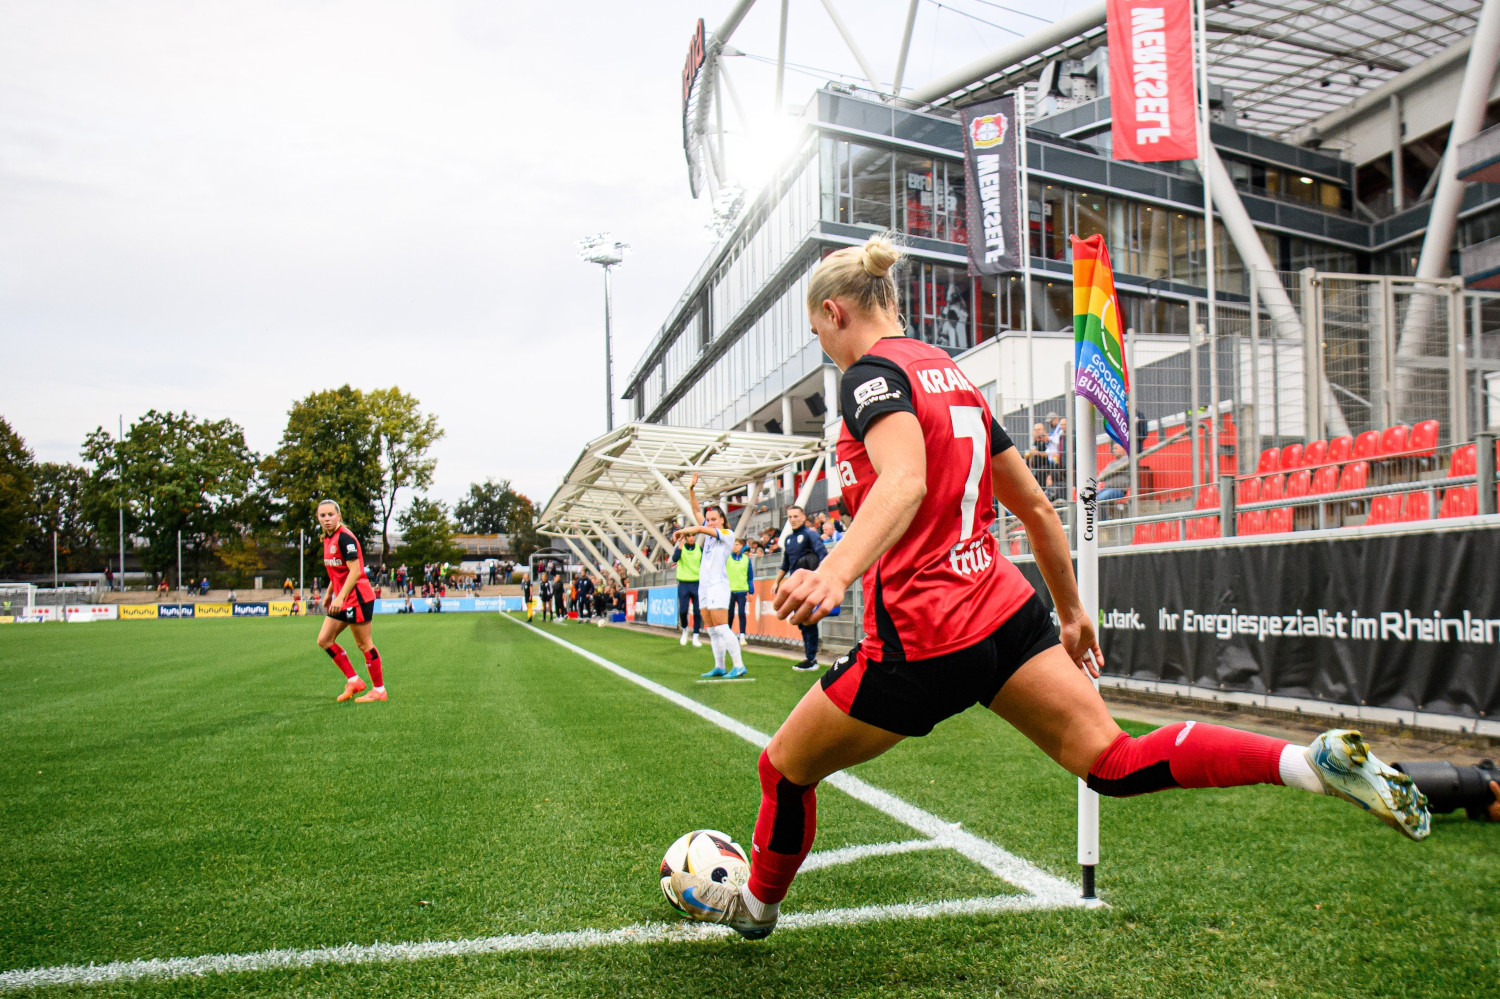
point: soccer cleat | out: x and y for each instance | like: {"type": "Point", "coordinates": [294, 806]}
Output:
{"type": "Point", "coordinates": [354, 686]}
{"type": "Point", "coordinates": [1350, 771]}
{"type": "Point", "coordinates": [743, 639]}
{"type": "Point", "coordinates": [805, 666]}
{"type": "Point", "coordinates": [683, 639]}
{"type": "Point", "coordinates": [716, 671]}
{"type": "Point", "coordinates": [714, 902]}
{"type": "Point", "coordinates": [737, 672]}
{"type": "Point", "coordinates": [374, 695]}
{"type": "Point", "coordinates": [696, 644]}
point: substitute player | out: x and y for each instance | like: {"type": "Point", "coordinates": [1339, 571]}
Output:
{"type": "Point", "coordinates": [713, 582]}
{"type": "Point", "coordinates": [349, 603]}
{"type": "Point", "coordinates": [950, 623]}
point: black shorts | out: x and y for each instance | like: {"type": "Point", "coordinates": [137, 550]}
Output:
{"type": "Point", "coordinates": [356, 610]}
{"type": "Point", "coordinates": [910, 697]}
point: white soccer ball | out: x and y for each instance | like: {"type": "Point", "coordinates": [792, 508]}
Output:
{"type": "Point", "coordinates": [707, 853]}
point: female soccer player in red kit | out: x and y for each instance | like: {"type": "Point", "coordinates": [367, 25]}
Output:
{"type": "Point", "coordinates": [349, 603]}
{"type": "Point", "coordinates": [950, 623]}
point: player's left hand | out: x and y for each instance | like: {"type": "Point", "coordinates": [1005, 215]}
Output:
{"type": "Point", "coordinates": [1080, 642]}
{"type": "Point", "coordinates": [806, 597]}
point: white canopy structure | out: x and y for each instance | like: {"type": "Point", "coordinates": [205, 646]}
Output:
{"type": "Point", "coordinates": [630, 482]}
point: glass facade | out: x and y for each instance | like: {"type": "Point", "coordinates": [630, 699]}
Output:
{"type": "Point", "coordinates": [839, 180]}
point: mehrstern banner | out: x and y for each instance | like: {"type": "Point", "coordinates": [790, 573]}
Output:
{"type": "Point", "coordinates": [1343, 619]}
{"type": "Point", "coordinates": [1100, 375]}
{"type": "Point", "coordinates": [990, 180]}
{"type": "Point", "coordinates": [1151, 95]}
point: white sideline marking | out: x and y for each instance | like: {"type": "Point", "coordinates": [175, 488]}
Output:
{"type": "Point", "coordinates": [1047, 891]}
{"type": "Point", "coordinates": [1043, 891]}
{"type": "Point", "coordinates": [384, 953]}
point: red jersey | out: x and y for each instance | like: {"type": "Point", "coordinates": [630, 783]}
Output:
{"type": "Point", "coordinates": [944, 585]}
{"type": "Point", "coordinates": [341, 547]}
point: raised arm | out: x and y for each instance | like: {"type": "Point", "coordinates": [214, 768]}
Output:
{"type": "Point", "coordinates": [1016, 489]}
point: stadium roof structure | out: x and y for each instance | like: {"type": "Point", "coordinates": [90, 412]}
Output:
{"type": "Point", "coordinates": [634, 479]}
{"type": "Point", "coordinates": [1288, 62]}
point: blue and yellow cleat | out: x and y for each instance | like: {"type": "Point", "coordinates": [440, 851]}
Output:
{"type": "Point", "coordinates": [718, 902]}
{"type": "Point", "coordinates": [715, 672]}
{"type": "Point", "coordinates": [1350, 771]}
{"type": "Point", "coordinates": [737, 672]}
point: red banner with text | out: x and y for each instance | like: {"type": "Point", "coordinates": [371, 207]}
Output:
{"type": "Point", "coordinates": [1151, 80]}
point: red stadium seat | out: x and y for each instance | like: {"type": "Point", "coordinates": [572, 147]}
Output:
{"type": "Point", "coordinates": [1356, 475]}
{"type": "Point", "coordinates": [1416, 506]}
{"type": "Point", "coordinates": [1339, 449]}
{"type": "Point", "coordinates": [1315, 454]}
{"type": "Point", "coordinates": [1423, 440]}
{"type": "Point", "coordinates": [1015, 547]}
{"type": "Point", "coordinates": [1298, 484]}
{"type": "Point", "coordinates": [1462, 462]}
{"type": "Point", "coordinates": [1366, 445]}
{"type": "Point", "coordinates": [1463, 502]}
{"type": "Point", "coordinates": [1247, 490]}
{"type": "Point", "coordinates": [1279, 521]}
{"type": "Point", "coordinates": [1253, 522]}
{"type": "Point", "coordinates": [1384, 510]}
{"type": "Point", "coordinates": [1291, 457]}
{"type": "Point", "coordinates": [1325, 480]}
{"type": "Point", "coordinates": [1393, 441]}
{"type": "Point", "coordinates": [1144, 534]}
{"type": "Point", "coordinates": [1272, 487]}
{"type": "Point", "coordinates": [1208, 498]}
{"type": "Point", "coordinates": [1166, 530]}
{"type": "Point", "coordinates": [1270, 460]}
{"type": "Point", "coordinates": [1205, 527]}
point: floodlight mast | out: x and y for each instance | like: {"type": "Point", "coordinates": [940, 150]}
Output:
{"type": "Point", "coordinates": [606, 251]}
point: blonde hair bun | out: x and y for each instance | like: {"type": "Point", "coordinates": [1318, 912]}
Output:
{"type": "Point", "coordinates": [878, 256]}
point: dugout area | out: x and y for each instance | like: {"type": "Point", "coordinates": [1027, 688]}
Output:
{"type": "Point", "coordinates": [212, 799]}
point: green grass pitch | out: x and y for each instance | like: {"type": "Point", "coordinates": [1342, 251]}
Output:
{"type": "Point", "coordinates": [182, 788]}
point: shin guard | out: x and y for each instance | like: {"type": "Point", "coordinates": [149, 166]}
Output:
{"type": "Point", "coordinates": [784, 832]}
{"type": "Point", "coordinates": [341, 660]}
{"type": "Point", "coordinates": [1187, 754]}
{"type": "Point", "coordinates": [372, 660]}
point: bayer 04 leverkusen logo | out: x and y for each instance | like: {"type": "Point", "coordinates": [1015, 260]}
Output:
{"type": "Point", "coordinates": [988, 130]}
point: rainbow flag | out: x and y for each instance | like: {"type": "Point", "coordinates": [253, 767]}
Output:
{"type": "Point", "coordinates": [1099, 373]}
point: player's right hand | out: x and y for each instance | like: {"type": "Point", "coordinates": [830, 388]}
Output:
{"type": "Point", "coordinates": [1080, 642]}
{"type": "Point", "coordinates": [807, 598]}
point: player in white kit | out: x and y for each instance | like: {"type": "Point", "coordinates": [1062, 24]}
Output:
{"type": "Point", "coordinates": [713, 582]}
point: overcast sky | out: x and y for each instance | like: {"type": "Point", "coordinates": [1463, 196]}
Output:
{"type": "Point", "coordinates": [221, 207]}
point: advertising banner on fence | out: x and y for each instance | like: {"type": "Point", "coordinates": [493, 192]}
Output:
{"type": "Point", "coordinates": [92, 612]}
{"type": "Point", "coordinates": [1355, 620]}
{"type": "Point", "coordinates": [214, 610]}
{"type": "Point", "coordinates": [1151, 94]}
{"type": "Point", "coordinates": [279, 608]}
{"type": "Point", "coordinates": [252, 610]}
{"type": "Point", "coordinates": [990, 184]}
{"type": "Point", "coordinates": [630, 605]}
{"type": "Point", "coordinates": [763, 619]}
{"type": "Point", "coordinates": [174, 610]}
{"type": "Point", "coordinates": [137, 612]}
{"type": "Point", "coordinates": [661, 606]}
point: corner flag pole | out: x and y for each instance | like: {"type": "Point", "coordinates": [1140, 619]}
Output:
{"type": "Point", "coordinates": [1085, 452]}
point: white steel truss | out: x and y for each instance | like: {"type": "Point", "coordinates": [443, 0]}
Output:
{"type": "Point", "coordinates": [633, 481]}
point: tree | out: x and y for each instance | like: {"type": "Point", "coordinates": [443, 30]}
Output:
{"type": "Point", "coordinates": [427, 534]}
{"type": "Point", "coordinates": [520, 525]}
{"type": "Point", "coordinates": [17, 468]}
{"type": "Point", "coordinates": [58, 504]}
{"type": "Point", "coordinates": [172, 472]}
{"type": "Point", "coordinates": [487, 509]}
{"type": "Point", "coordinates": [403, 436]}
{"type": "Point", "coordinates": [329, 450]}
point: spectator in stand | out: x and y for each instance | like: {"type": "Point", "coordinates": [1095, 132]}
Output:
{"type": "Point", "coordinates": [741, 582]}
{"type": "Point", "coordinates": [286, 586]}
{"type": "Point", "coordinates": [406, 607]}
{"type": "Point", "coordinates": [687, 557]}
{"type": "Point", "coordinates": [296, 603]}
{"type": "Point", "coordinates": [1112, 486]}
{"type": "Point", "coordinates": [1036, 456]}
{"type": "Point", "coordinates": [803, 550]}
{"type": "Point", "coordinates": [109, 577]}
{"type": "Point", "coordinates": [830, 534]}
{"type": "Point", "coordinates": [203, 587]}
{"type": "Point", "coordinates": [161, 588]}
{"type": "Point", "coordinates": [232, 598]}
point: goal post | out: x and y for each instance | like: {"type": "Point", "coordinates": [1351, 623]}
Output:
{"type": "Point", "coordinates": [17, 599]}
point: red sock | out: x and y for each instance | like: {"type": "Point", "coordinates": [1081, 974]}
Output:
{"type": "Point", "coordinates": [372, 660]}
{"type": "Point", "coordinates": [341, 661]}
{"type": "Point", "coordinates": [1187, 754]}
{"type": "Point", "coordinates": [784, 832]}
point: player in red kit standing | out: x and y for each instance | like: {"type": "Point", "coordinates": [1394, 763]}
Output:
{"type": "Point", "coordinates": [349, 603]}
{"type": "Point", "coordinates": [949, 623]}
